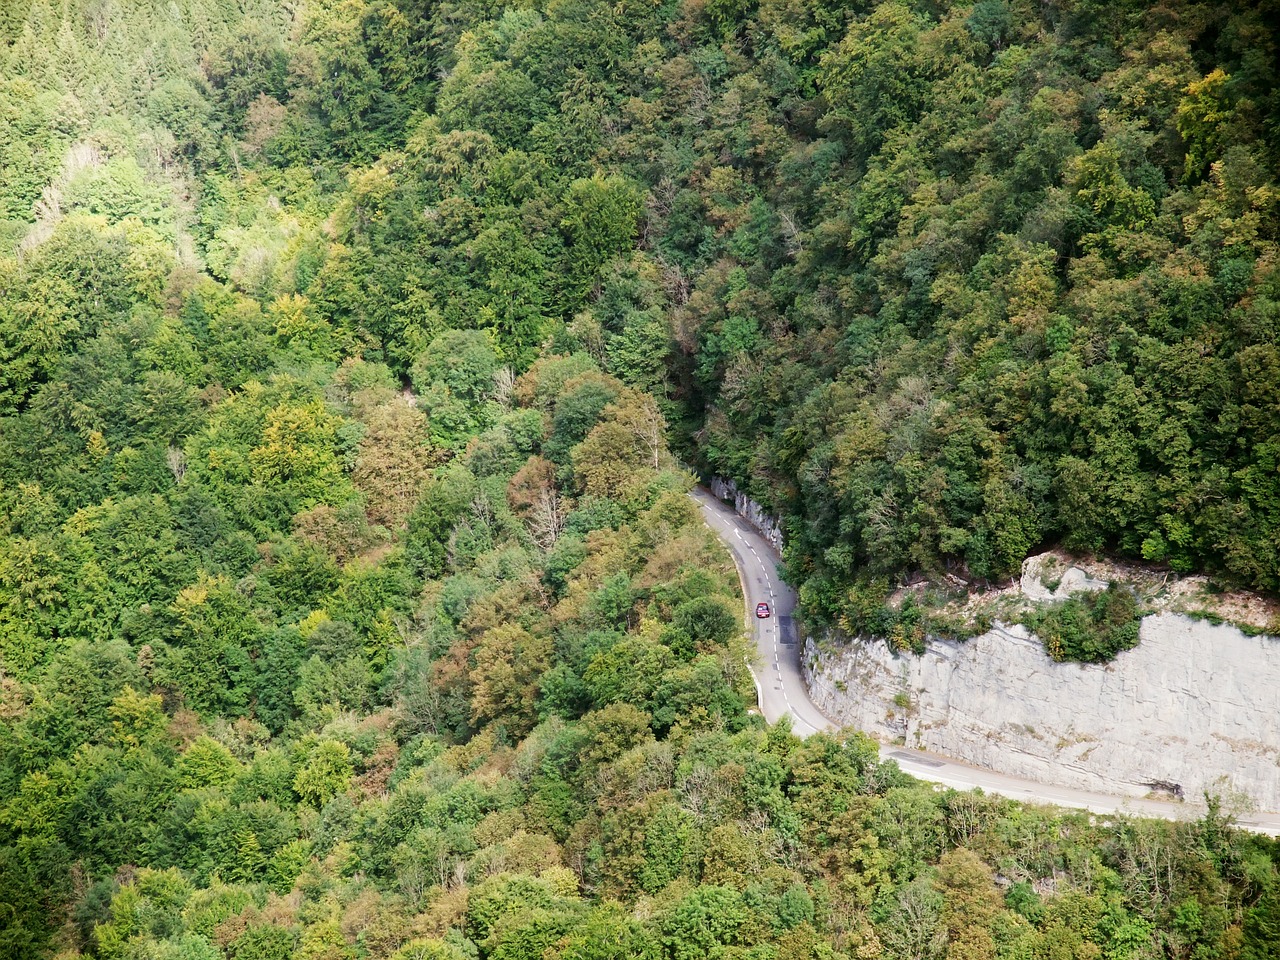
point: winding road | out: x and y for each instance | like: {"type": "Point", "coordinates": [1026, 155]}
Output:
{"type": "Point", "coordinates": [781, 691]}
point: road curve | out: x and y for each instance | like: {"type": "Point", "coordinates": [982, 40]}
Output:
{"type": "Point", "coordinates": [781, 690]}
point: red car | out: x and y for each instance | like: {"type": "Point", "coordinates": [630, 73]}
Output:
{"type": "Point", "coordinates": [762, 610]}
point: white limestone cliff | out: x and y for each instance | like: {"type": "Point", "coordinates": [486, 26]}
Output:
{"type": "Point", "coordinates": [1192, 708]}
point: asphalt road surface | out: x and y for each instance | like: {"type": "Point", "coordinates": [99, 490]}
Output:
{"type": "Point", "coordinates": [781, 691]}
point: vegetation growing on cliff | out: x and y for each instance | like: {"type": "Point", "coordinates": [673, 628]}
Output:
{"type": "Point", "coordinates": [1089, 629]}
{"type": "Point", "coordinates": [350, 602]}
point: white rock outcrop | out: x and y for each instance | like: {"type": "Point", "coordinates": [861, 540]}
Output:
{"type": "Point", "coordinates": [1073, 581]}
{"type": "Point", "coordinates": [1192, 708]}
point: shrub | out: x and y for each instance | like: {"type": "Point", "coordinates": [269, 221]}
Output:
{"type": "Point", "coordinates": [1089, 629]}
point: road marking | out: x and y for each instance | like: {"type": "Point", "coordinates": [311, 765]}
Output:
{"type": "Point", "coordinates": [900, 755]}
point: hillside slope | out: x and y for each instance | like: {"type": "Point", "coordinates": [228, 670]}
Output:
{"type": "Point", "coordinates": [351, 602]}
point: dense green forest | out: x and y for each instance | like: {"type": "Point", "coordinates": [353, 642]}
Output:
{"type": "Point", "coordinates": [940, 283]}
{"type": "Point", "coordinates": [351, 604]}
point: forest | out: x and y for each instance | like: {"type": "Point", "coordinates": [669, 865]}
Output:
{"type": "Point", "coordinates": [356, 358]}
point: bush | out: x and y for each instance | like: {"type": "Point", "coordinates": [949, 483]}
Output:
{"type": "Point", "coordinates": [1089, 630]}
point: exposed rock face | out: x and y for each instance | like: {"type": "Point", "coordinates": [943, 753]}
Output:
{"type": "Point", "coordinates": [1073, 581]}
{"type": "Point", "coordinates": [764, 522]}
{"type": "Point", "coordinates": [1192, 708]}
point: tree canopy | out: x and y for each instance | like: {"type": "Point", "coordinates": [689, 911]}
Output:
{"type": "Point", "coordinates": [351, 602]}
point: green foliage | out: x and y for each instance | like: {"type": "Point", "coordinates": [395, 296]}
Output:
{"type": "Point", "coordinates": [704, 923]}
{"type": "Point", "coordinates": [1091, 630]}
{"type": "Point", "coordinates": [297, 663]}
{"type": "Point", "coordinates": [577, 410]}
{"type": "Point", "coordinates": [1261, 935]}
{"type": "Point", "coordinates": [454, 378]}
{"type": "Point", "coordinates": [699, 623]}
{"type": "Point", "coordinates": [940, 353]}
{"type": "Point", "coordinates": [600, 223]}
{"type": "Point", "coordinates": [325, 774]}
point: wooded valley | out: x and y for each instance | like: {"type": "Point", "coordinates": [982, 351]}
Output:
{"type": "Point", "coordinates": [356, 358]}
